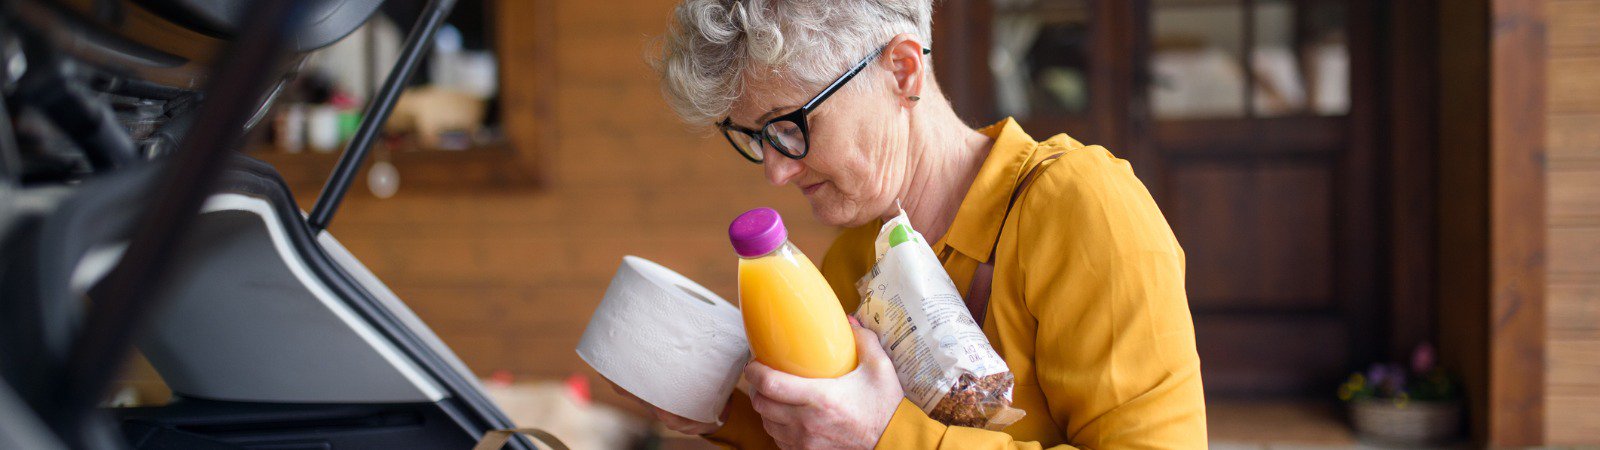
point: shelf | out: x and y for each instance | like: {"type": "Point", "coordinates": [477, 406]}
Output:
{"type": "Point", "coordinates": [496, 168]}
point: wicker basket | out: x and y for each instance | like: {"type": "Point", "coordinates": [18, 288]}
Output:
{"type": "Point", "coordinates": [1415, 423]}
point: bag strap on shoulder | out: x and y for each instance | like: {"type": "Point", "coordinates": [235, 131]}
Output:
{"type": "Point", "coordinates": [983, 277]}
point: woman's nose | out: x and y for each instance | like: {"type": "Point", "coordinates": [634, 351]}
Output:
{"type": "Point", "coordinates": [780, 169]}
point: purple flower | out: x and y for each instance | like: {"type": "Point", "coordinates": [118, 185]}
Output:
{"type": "Point", "coordinates": [1423, 359]}
{"type": "Point", "coordinates": [1377, 375]}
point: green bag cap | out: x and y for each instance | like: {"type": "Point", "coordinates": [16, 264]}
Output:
{"type": "Point", "coordinates": [898, 235]}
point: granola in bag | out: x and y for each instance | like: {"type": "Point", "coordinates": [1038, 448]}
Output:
{"type": "Point", "coordinates": [946, 365]}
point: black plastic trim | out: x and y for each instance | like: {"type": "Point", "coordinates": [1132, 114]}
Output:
{"type": "Point", "coordinates": [473, 409]}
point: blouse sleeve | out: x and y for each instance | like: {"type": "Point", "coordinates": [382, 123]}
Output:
{"type": "Point", "coordinates": [1104, 276]}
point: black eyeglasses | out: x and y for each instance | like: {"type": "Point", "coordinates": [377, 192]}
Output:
{"type": "Point", "coordinates": [788, 133]}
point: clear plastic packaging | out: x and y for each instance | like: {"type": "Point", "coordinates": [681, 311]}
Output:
{"type": "Point", "coordinates": [946, 365]}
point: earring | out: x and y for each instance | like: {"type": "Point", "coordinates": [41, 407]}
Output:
{"type": "Point", "coordinates": [914, 98]}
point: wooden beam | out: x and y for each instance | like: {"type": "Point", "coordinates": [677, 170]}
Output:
{"type": "Point", "coordinates": [525, 43]}
{"type": "Point", "coordinates": [1462, 199]}
{"type": "Point", "coordinates": [1412, 129]}
{"type": "Point", "coordinates": [1517, 222]}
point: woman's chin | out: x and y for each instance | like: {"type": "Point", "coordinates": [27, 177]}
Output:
{"type": "Point", "coordinates": [828, 213]}
{"type": "Point", "coordinates": [838, 215]}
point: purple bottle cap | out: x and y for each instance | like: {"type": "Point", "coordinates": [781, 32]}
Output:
{"type": "Point", "coordinates": [757, 232]}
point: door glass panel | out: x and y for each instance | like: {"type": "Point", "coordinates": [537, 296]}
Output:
{"type": "Point", "coordinates": [1196, 64]}
{"type": "Point", "coordinates": [1299, 58]}
{"type": "Point", "coordinates": [1040, 57]}
{"type": "Point", "coordinates": [1328, 57]}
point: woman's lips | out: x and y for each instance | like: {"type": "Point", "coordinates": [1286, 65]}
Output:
{"type": "Point", "coordinates": [808, 189]}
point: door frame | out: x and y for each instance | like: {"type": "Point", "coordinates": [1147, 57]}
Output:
{"type": "Point", "coordinates": [1492, 213]}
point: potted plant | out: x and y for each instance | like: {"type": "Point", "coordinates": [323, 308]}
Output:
{"type": "Point", "coordinates": [1391, 404]}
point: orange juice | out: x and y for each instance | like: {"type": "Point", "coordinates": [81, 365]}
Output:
{"type": "Point", "coordinates": [792, 318]}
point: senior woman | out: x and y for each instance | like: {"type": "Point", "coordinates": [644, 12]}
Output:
{"type": "Point", "coordinates": [1065, 258]}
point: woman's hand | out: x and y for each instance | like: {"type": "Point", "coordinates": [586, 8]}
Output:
{"type": "Point", "coordinates": [846, 412]}
{"type": "Point", "coordinates": [673, 422]}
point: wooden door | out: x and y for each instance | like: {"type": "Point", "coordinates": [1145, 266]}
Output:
{"type": "Point", "coordinates": [1267, 176]}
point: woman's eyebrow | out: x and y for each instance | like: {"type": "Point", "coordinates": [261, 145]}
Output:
{"type": "Point", "coordinates": [762, 120]}
{"type": "Point", "coordinates": [770, 113]}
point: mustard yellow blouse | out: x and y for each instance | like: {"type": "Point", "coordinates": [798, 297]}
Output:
{"type": "Point", "coordinates": [1087, 307]}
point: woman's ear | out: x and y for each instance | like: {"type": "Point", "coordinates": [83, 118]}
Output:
{"type": "Point", "coordinates": [906, 60]}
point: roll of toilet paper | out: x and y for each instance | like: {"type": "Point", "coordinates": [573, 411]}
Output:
{"type": "Point", "coordinates": [666, 340]}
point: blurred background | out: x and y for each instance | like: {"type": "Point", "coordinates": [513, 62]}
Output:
{"type": "Point", "coordinates": [1332, 168]}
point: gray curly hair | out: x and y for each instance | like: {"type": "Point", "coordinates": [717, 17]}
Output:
{"type": "Point", "coordinates": [712, 46]}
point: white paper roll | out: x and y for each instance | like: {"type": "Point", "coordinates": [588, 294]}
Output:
{"type": "Point", "coordinates": [667, 340]}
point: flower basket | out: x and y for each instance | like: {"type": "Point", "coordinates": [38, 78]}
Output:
{"type": "Point", "coordinates": [1390, 404]}
{"type": "Point", "coordinates": [1409, 423]}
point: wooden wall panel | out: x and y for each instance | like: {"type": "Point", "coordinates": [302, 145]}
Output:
{"type": "Point", "coordinates": [1574, 78]}
{"type": "Point", "coordinates": [1573, 392]}
{"type": "Point", "coordinates": [1573, 363]}
{"type": "Point", "coordinates": [1573, 173]}
{"type": "Point", "coordinates": [1577, 420]}
{"type": "Point", "coordinates": [1573, 136]}
{"type": "Point", "coordinates": [1573, 26]}
{"type": "Point", "coordinates": [1573, 251]}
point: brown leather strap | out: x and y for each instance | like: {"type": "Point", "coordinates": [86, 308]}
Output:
{"type": "Point", "coordinates": [496, 439]}
{"type": "Point", "coordinates": [983, 277]}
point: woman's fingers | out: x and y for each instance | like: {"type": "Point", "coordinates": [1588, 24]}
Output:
{"type": "Point", "coordinates": [771, 410]}
{"type": "Point", "coordinates": [778, 386]}
{"type": "Point", "coordinates": [846, 412]}
{"type": "Point", "coordinates": [624, 392]}
{"type": "Point", "coordinates": [672, 421]}
{"type": "Point", "coordinates": [682, 424]}
{"type": "Point", "coordinates": [870, 352]}
{"type": "Point", "coordinates": [781, 434]}
{"type": "Point", "coordinates": [781, 421]}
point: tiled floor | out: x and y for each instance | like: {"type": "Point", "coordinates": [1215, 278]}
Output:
{"type": "Point", "coordinates": [1253, 424]}
{"type": "Point", "coordinates": [1216, 445]}
{"type": "Point", "coordinates": [1284, 425]}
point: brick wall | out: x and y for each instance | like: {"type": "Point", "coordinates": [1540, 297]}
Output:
{"type": "Point", "coordinates": [509, 278]}
{"type": "Point", "coordinates": [1573, 306]}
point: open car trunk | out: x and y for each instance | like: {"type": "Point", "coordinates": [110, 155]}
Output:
{"type": "Point", "coordinates": [272, 336]}
{"type": "Point", "coordinates": [268, 332]}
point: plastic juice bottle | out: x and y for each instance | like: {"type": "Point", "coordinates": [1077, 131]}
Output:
{"type": "Point", "coordinates": [791, 316]}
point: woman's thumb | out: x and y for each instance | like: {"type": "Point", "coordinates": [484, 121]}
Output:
{"type": "Point", "coordinates": [869, 351]}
